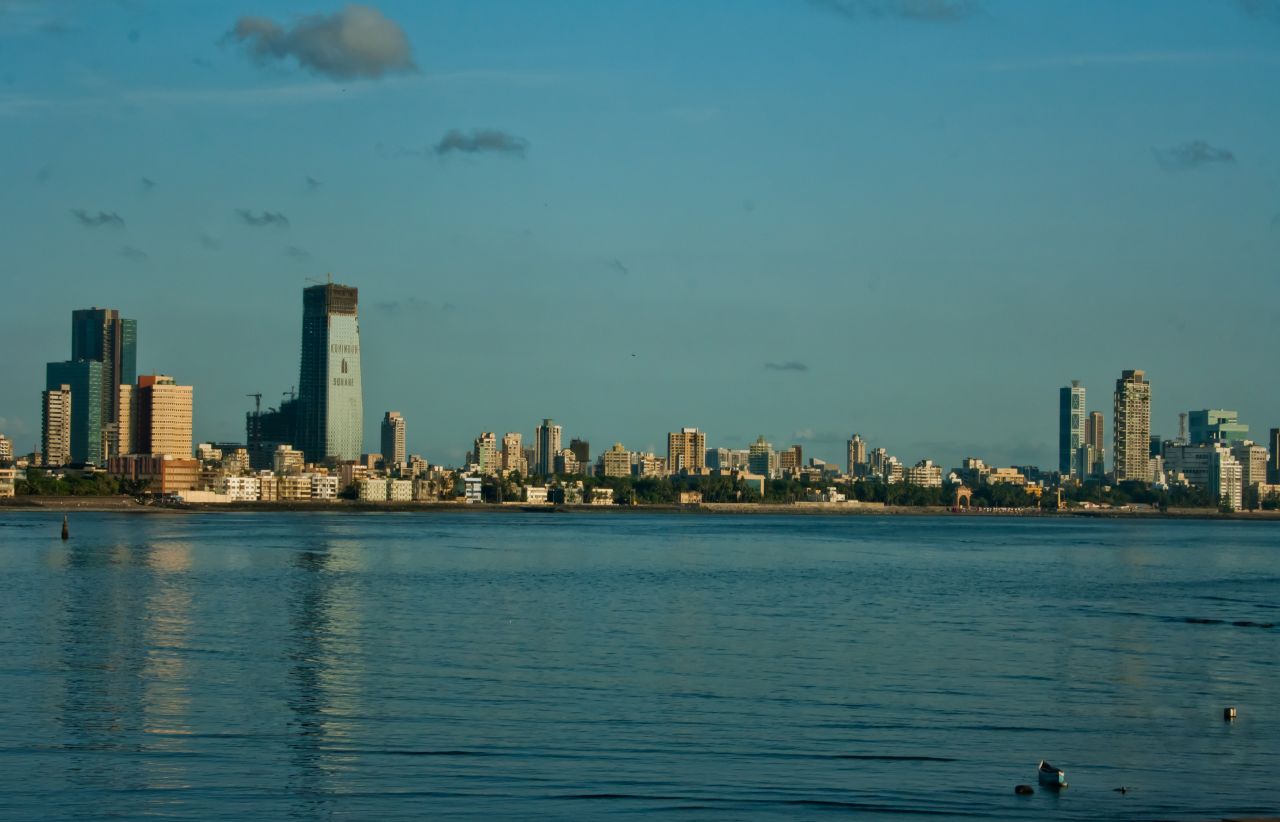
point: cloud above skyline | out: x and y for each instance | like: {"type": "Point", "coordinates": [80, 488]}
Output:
{"type": "Point", "coordinates": [1260, 8]}
{"type": "Point", "coordinates": [790, 365]}
{"type": "Point", "coordinates": [135, 254]}
{"type": "Point", "coordinates": [355, 43]}
{"type": "Point", "coordinates": [482, 141]}
{"type": "Point", "coordinates": [266, 218]}
{"type": "Point", "coordinates": [926, 11]}
{"type": "Point", "coordinates": [101, 218]}
{"type": "Point", "coordinates": [1193, 155]}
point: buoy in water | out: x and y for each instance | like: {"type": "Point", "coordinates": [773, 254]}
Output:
{"type": "Point", "coordinates": [1228, 714]}
{"type": "Point", "coordinates": [1023, 790]}
{"type": "Point", "coordinates": [66, 532]}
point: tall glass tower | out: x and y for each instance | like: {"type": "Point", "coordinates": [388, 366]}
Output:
{"type": "Point", "coordinates": [1071, 430]}
{"type": "Point", "coordinates": [102, 335]}
{"type": "Point", "coordinates": [330, 400]}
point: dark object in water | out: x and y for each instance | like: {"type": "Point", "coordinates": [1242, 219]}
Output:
{"type": "Point", "coordinates": [1051, 777]}
{"type": "Point", "coordinates": [66, 532]}
{"type": "Point", "coordinates": [1228, 714]}
{"type": "Point", "coordinates": [1121, 789]}
{"type": "Point", "coordinates": [1023, 790]}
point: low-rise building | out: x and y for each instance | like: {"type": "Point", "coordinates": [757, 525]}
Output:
{"type": "Point", "coordinates": [268, 486]}
{"type": "Point", "coordinates": [924, 474]}
{"type": "Point", "coordinates": [162, 473]}
{"type": "Point", "coordinates": [295, 488]}
{"type": "Point", "coordinates": [400, 490]}
{"type": "Point", "coordinates": [241, 489]}
{"type": "Point", "coordinates": [535, 495]}
{"type": "Point", "coordinates": [8, 482]}
{"type": "Point", "coordinates": [471, 489]}
{"type": "Point", "coordinates": [287, 460]}
{"type": "Point", "coordinates": [324, 487]}
{"type": "Point", "coordinates": [602, 496]}
{"type": "Point", "coordinates": [372, 490]}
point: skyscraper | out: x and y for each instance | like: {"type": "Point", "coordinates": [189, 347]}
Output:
{"type": "Point", "coordinates": [545, 447]}
{"type": "Point", "coordinates": [1095, 439]}
{"type": "Point", "coordinates": [161, 416]}
{"type": "Point", "coordinates": [102, 335]}
{"type": "Point", "coordinates": [581, 450]}
{"type": "Point", "coordinates": [55, 436]}
{"type": "Point", "coordinates": [686, 451]}
{"type": "Point", "coordinates": [84, 377]}
{"type": "Point", "coordinates": [1217, 425]}
{"type": "Point", "coordinates": [1071, 429]}
{"type": "Point", "coordinates": [513, 453]}
{"type": "Point", "coordinates": [393, 439]}
{"type": "Point", "coordinates": [857, 464]}
{"type": "Point", "coordinates": [1131, 456]}
{"type": "Point", "coordinates": [330, 398]}
{"type": "Point", "coordinates": [485, 453]}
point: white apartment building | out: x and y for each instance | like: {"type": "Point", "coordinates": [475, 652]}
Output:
{"type": "Point", "coordinates": [399, 490]}
{"type": "Point", "coordinates": [241, 489]}
{"type": "Point", "coordinates": [925, 474]}
{"type": "Point", "coordinates": [323, 487]}
{"type": "Point", "coordinates": [372, 490]}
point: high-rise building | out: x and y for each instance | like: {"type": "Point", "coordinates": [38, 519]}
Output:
{"type": "Point", "coordinates": [686, 451]}
{"type": "Point", "coordinates": [1225, 478]}
{"type": "Point", "coordinates": [791, 459]}
{"type": "Point", "coordinates": [393, 439]}
{"type": "Point", "coordinates": [1273, 460]}
{"type": "Point", "coordinates": [760, 457]}
{"type": "Point", "coordinates": [1216, 425]}
{"type": "Point", "coordinates": [616, 462]}
{"type": "Point", "coordinates": [1253, 462]}
{"type": "Point", "coordinates": [330, 396]}
{"type": "Point", "coordinates": [485, 453]}
{"type": "Point", "coordinates": [162, 416]}
{"type": "Point", "coordinates": [925, 474]}
{"type": "Point", "coordinates": [1071, 429]}
{"type": "Point", "coordinates": [1131, 454]}
{"type": "Point", "coordinates": [55, 437]}
{"type": "Point", "coordinates": [857, 462]}
{"type": "Point", "coordinates": [85, 380]}
{"type": "Point", "coordinates": [265, 431]}
{"type": "Point", "coordinates": [513, 453]}
{"type": "Point", "coordinates": [1095, 439]}
{"type": "Point", "coordinates": [102, 335]}
{"type": "Point", "coordinates": [581, 451]}
{"type": "Point", "coordinates": [546, 446]}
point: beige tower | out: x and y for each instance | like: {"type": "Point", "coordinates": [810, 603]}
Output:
{"type": "Point", "coordinates": [1132, 452]}
{"type": "Point", "coordinates": [162, 419]}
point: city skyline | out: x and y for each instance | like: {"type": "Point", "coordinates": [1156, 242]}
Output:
{"type": "Point", "coordinates": [762, 236]}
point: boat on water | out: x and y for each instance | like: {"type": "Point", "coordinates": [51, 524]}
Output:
{"type": "Point", "coordinates": [1052, 777]}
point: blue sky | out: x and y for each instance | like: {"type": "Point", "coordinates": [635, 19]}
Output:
{"type": "Point", "coordinates": [941, 216]}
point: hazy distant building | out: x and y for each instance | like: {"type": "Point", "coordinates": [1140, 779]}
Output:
{"type": "Point", "coordinates": [55, 436]}
{"type": "Point", "coordinates": [1216, 425]}
{"type": "Point", "coordinates": [546, 446]}
{"type": "Point", "coordinates": [566, 463]}
{"type": "Point", "coordinates": [393, 439]}
{"type": "Point", "coordinates": [267, 430]}
{"type": "Point", "coordinates": [1131, 456]}
{"type": "Point", "coordinates": [84, 378]}
{"type": "Point", "coordinates": [791, 459]}
{"type": "Point", "coordinates": [162, 416]}
{"type": "Point", "coordinates": [1253, 462]}
{"type": "Point", "coordinates": [581, 450]}
{"type": "Point", "coordinates": [616, 462]}
{"type": "Point", "coordinates": [857, 458]}
{"type": "Point", "coordinates": [1273, 461]}
{"type": "Point", "coordinates": [686, 451]}
{"type": "Point", "coordinates": [1095, 439]}
{"type": "Point", "coordinates": [1071, 430]}
{"type": "Point", "coordinates": [330, 396]}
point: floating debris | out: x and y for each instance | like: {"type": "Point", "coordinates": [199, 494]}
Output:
{"type": "Point", "coordinates": [1228, 714]}
{"type": "Point", "coordinates": [1023, 790]}
{"type": "Point", "coordinates": [66, 531]}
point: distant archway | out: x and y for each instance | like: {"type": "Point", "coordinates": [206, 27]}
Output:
{"type": "Point", "coordinates": [963, 499]}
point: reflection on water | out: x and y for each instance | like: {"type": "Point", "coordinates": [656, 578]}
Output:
{"type": "Point", "coordinates": [399, 666]}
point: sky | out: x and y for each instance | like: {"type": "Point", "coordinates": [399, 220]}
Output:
{"type": "Point", "coordinates": [912, 219]}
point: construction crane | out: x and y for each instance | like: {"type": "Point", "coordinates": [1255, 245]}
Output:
{"type": "Point", "coordinates": [257, 402]}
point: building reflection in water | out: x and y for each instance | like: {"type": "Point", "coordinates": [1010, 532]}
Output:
{"type": "Point", "coordinates": [324, 671]}
{"type": "Point", "coordinates": [123, 626]}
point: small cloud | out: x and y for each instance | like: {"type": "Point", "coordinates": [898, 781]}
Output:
{"type": "Point", "coordinates": [135, 254]}
{"type": "Point", "coordinates": [297, 253]}
{"type": "Point", "coordinates": [313, 183]}
{"type": "Point", "coordinates": [56, 27]}
{"type": "Point", "coordinates": [44, 174]}
{"type": "Point", "coordinates": [482, 141]}
{"type": "Point", "coordinates": [1260, 8]}
{"type": "Point", "coordinates": [617, 266]}
{"type": "Point", "coordinates": [102, 218]}
{"type": "Point", "coordinates": [792, 365]}
{"type": "Point", "coordinates": [147, 184]}
{"type": "Point", "coordinates": [412, 305]}
{"type": "Point", "coordinates": [355, 43]}
{"type": "Point", "coordinates": [1193, 155]}
{"type": "Point", "coordinates": [924, 11]}
{"type": "Point", "coordinates": [209, 242]}
{"type": "Point", "coordinates": [266, 218]}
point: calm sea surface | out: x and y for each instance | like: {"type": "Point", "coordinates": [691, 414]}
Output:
{"type": "Point", "coordinates": [387, 666]}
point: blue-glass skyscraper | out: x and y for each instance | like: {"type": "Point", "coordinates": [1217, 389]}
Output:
{"type": "Point", "coordinates": [85, 379]}
{"type": "Point", "coordinates": [330, 397]}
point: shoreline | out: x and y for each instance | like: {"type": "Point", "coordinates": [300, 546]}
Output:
{"type": "Point", "coordinates": [127, 505]}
